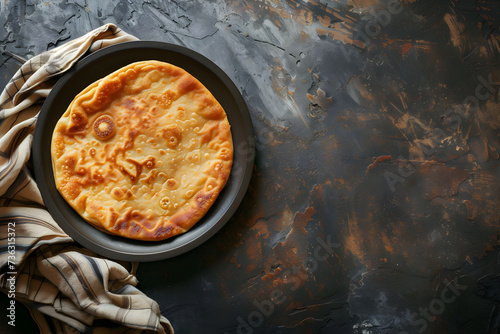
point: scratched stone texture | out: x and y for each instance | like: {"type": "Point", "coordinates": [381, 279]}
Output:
{"type": "Point", "coordinates": [374, 205]}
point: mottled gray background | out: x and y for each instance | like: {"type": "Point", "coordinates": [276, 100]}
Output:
{"type": "Point", "coordinates": [366, 138]}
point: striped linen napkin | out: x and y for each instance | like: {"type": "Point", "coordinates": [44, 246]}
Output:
{"type": "Point", "coordinates": [66, 288]}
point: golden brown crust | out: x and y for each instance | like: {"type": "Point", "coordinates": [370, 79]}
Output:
{"type": "Point", "coordinates": [144, 152]}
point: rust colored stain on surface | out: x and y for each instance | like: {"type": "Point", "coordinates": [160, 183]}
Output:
{"type": "Point", "coordinates": [456, 29]}
{"type": "Point", "coordinates": [483, 206]}
{"type": "Point", "coordinates": [405, 48]}
{"type": "Point", "coordinates": [440, 180]}
{"type": "Point", "coordinates": [320, 99]}
{"type": "Point", "coordinates": [376, 161]}
{"type": "Point", "coordinates": [293, 250]}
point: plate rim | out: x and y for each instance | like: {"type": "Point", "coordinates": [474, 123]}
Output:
{"type": "Point", "coordinates": [197, 239]}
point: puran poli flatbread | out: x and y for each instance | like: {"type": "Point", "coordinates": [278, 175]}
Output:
{"type": "Point", "coordinates": [143, 152]}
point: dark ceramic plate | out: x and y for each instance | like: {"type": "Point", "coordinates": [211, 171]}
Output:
{"type": "Point", "coordinates": [98, 65]}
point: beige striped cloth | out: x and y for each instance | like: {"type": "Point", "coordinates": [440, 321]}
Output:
{"type": "Point", "coordinates": [67, 288]}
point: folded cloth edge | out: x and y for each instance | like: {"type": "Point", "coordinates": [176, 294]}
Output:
{"type": "Point", "coordinates": [91, 281]}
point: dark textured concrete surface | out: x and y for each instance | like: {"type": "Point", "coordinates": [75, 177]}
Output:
{"type": "Point", "coordinates": [374, 206]}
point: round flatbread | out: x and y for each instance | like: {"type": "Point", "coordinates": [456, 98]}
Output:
{"type": "Point", "coordinates": [143, 152]}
